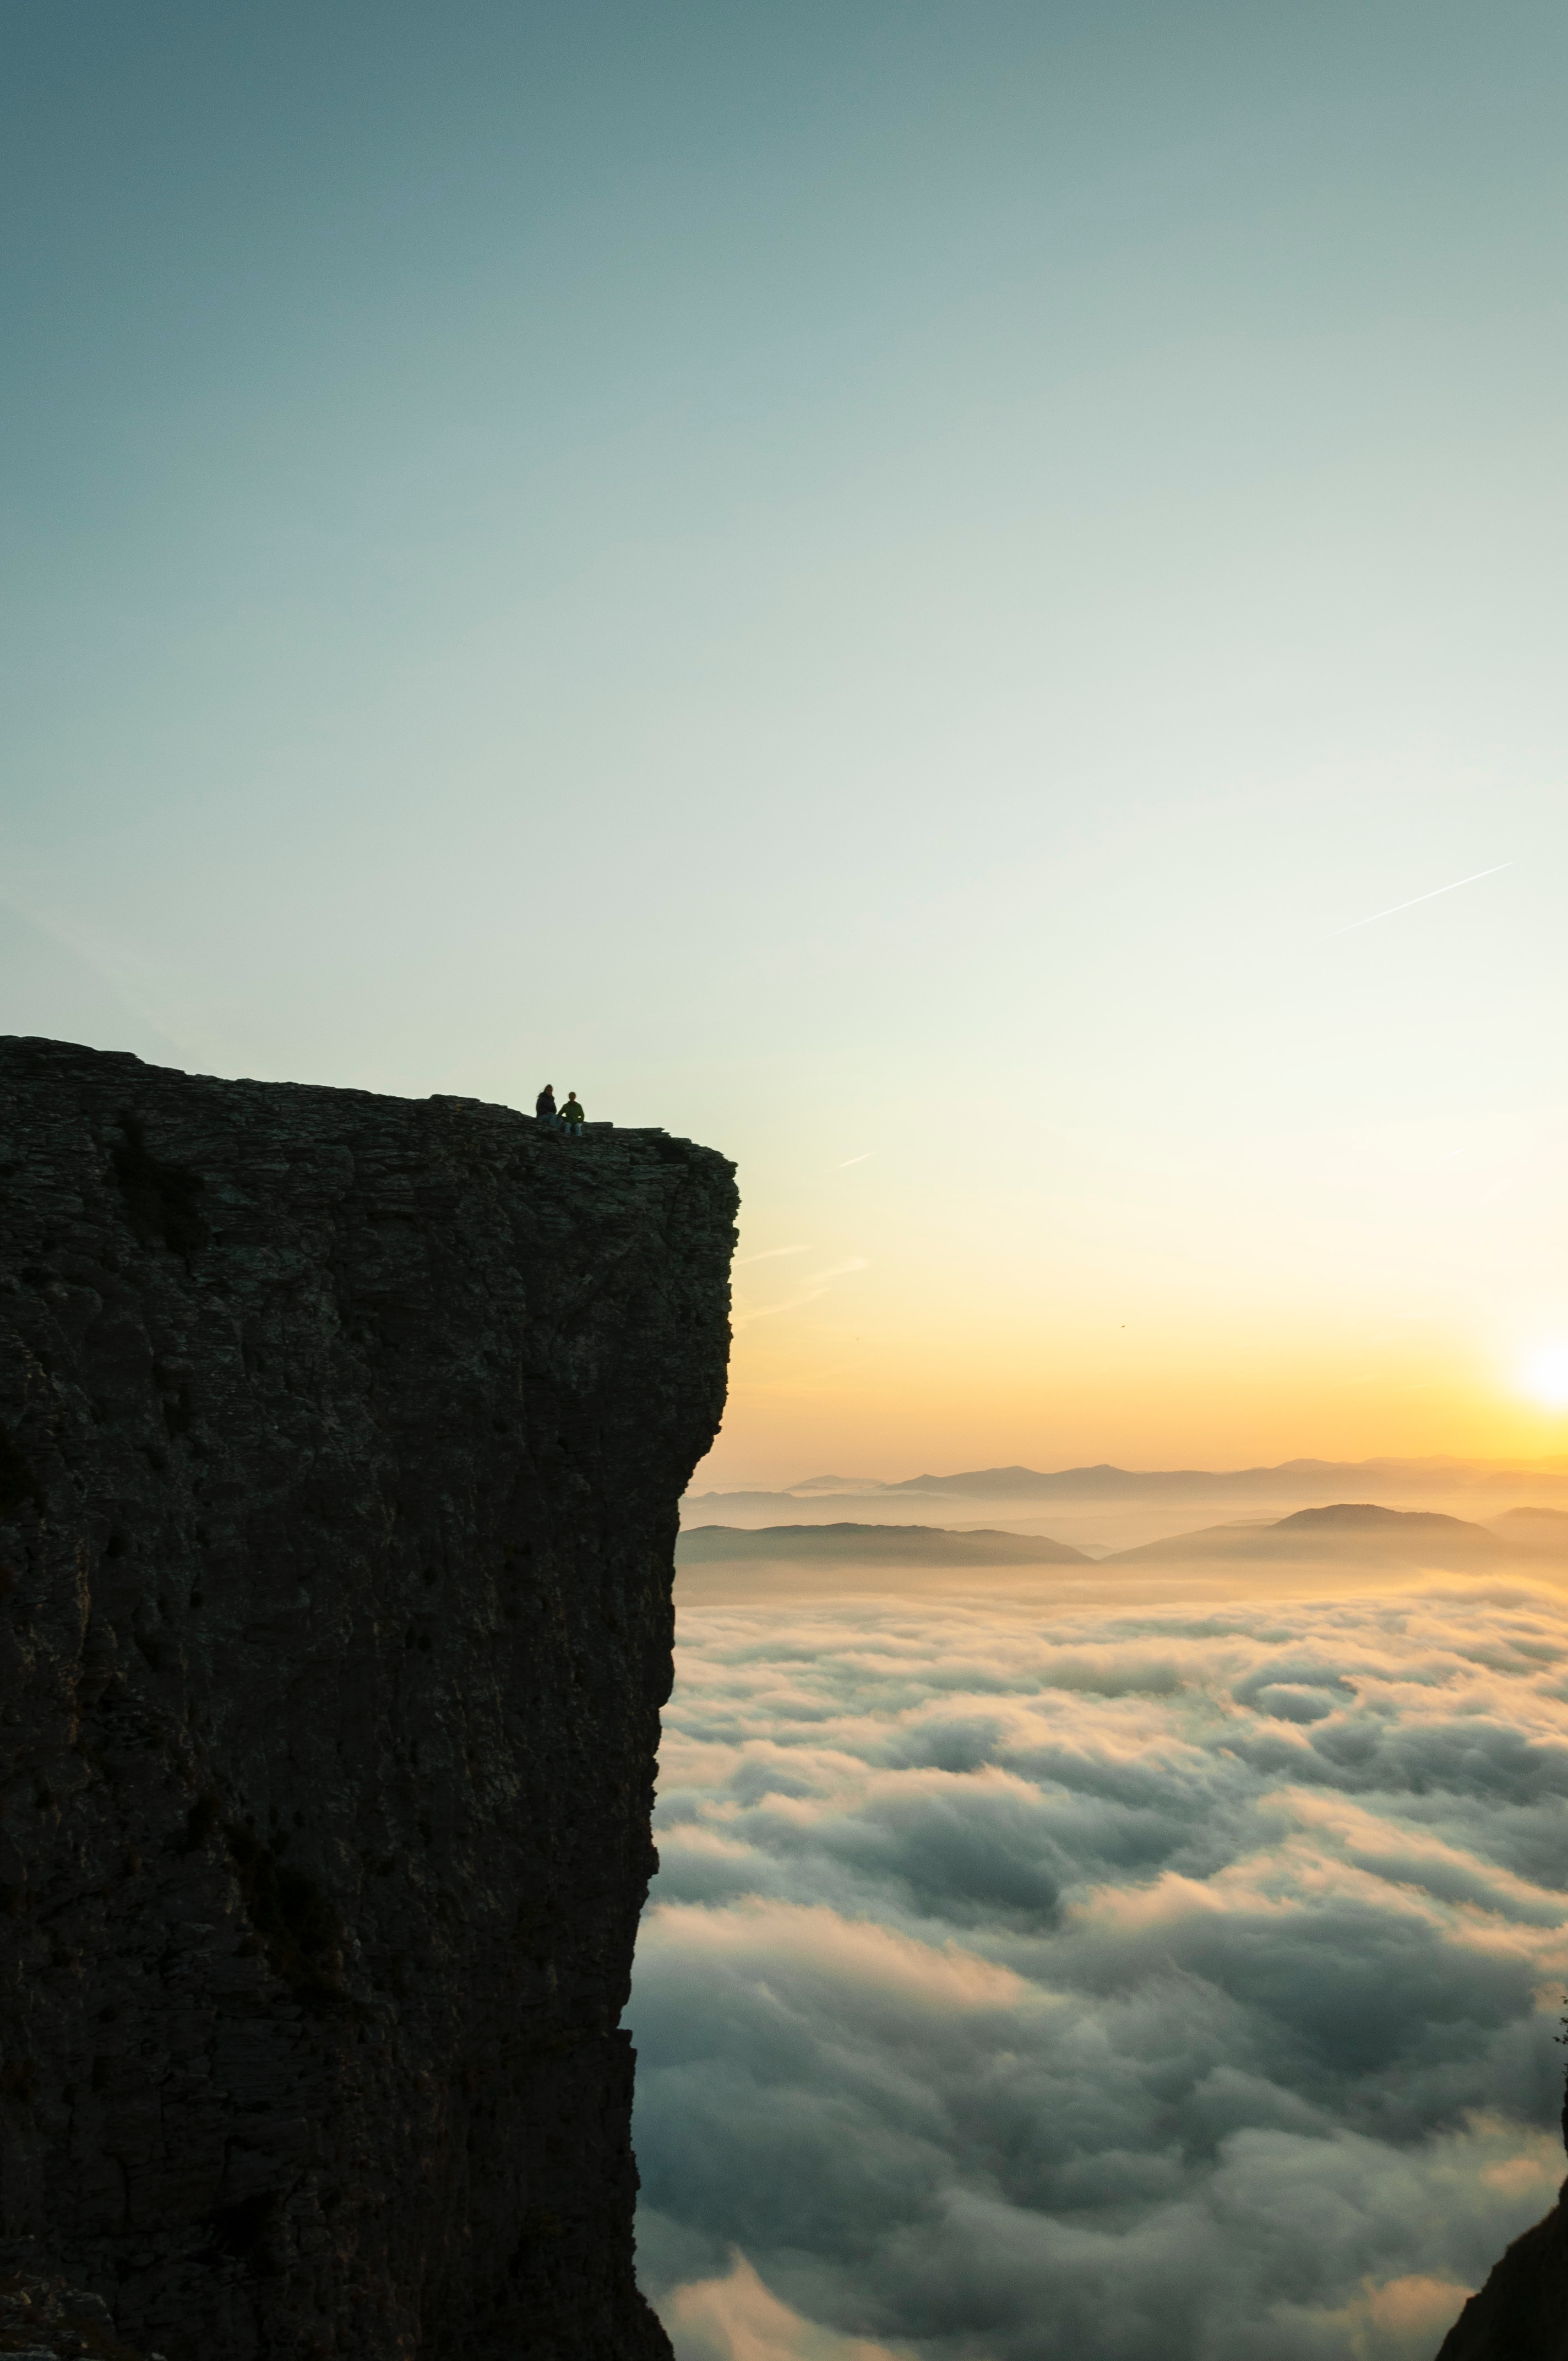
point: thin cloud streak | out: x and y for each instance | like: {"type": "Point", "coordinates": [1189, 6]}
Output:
{"type": "Point", "coordinates": [772, 1254]}
{"type": "Point", "coordinates": [1395, 907]}
{"type": "Point", "coordinates": [808, 1293]}
{"type": "Point", "coordinates": [864, 1158]}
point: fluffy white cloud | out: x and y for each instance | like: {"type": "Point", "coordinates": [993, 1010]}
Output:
{"type": "Point", "coordinates": [1170, 1986]}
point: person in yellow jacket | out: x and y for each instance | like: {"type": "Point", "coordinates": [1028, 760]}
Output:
{"type": "Point", "coordinates": [572, 1116]}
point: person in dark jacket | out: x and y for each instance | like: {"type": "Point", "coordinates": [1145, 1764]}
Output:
{"type": "Point", "coordinates": [545, 1108]}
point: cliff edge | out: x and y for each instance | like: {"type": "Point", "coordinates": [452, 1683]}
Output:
{"type": "Point", "coordinates": [341, 1439]}
{"type": "Point", "coordinates": [1522, 2313]}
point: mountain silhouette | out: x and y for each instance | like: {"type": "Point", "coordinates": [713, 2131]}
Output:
{"type": "Point", "coordinates": [870, 1544]}
{"type": "Point", "coordinates": [1360, 1531]}
{"type": "Point", "coordinates": [1328, 1481]}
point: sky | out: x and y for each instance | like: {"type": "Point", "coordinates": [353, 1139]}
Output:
{"type": "Point", "coordinates": [1080, 1979]}
{"type": "Point", "coordinates": [896, 589]}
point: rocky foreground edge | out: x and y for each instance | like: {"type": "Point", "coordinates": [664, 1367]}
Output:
{"type": "Point", "coordinates": [341, 1439]}
{"type": "Point", "coordinates": [1521, 2313]}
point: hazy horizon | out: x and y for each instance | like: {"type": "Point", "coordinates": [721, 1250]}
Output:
{"type": "Point", "coordinates": [1437, 1462]}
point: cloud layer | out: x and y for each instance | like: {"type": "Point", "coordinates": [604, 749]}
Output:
{"type": "Point", "coordinates": [1137, 1987]}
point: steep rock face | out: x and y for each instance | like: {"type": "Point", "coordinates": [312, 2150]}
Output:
{"type": "Point", "coordinates": [341, 1439]}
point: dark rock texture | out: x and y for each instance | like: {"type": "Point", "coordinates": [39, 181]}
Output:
{"type": "Point", "coordinates": [45, 2319]}
{"type": "Point", "coordinates": [1522, 2313]}
{"type": "Point", "coordinates": [341, 1439]}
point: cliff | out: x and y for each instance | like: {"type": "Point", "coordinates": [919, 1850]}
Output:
{"type": "Point", "coordinates": [341, 1439]}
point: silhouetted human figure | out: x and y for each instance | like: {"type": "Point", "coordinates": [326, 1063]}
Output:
{"type": "Point", "coordinates": [572, 1116]}
{"type": "Point", "coordinates": [545, 1108]}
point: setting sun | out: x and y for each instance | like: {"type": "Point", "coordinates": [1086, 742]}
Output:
{"type": "Point", "coordinates": [1546, 1376]}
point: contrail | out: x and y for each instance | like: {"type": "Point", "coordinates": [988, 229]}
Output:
{"type": "Point", "coordinates": [852, 1159]}
{"type": "Point", "coordinates": [1396, 908]}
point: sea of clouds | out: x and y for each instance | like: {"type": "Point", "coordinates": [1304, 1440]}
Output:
{"type": "Point", "coordinates": [1172, 1983]}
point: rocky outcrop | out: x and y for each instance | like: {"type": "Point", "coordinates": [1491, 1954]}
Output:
{"type": "Point", "coordinates": [45, 2319]}
{"type": "Point", "coordinates": [1522, 2313]}
{"type": "Point", "coordinates": [341, 1439]}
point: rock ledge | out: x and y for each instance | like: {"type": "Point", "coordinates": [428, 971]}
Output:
{"type": "Point", "coordinates": [341, 1439]}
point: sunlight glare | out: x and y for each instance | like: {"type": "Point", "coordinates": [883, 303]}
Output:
{"type": "Point", "coordinates": [1546, 1376]}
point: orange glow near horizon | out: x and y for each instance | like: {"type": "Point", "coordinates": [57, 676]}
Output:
{"type": "Point", "coordinates": [1208, 1336]}
{"type": "Point", "coordinates": [843, 1408]}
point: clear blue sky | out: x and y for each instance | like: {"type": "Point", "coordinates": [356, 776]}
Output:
{"type": "Point", "coordinates": [870, 582]}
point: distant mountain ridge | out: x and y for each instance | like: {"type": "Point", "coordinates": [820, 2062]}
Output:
{"type": "Point", "coordinates": [1359, 1532]}
{"type": "Point", "coordinates": [1324, 1480]}
{"type": "Point", "coordinates": [1358, 1529]}
{"type": "Point", "coordinates": [860, 1544]}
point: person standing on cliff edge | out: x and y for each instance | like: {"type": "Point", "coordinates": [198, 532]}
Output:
{"type": "Point", "coordinates": [572, 1116]}
{"type": "Point", "coordinates": [545, 1108]}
